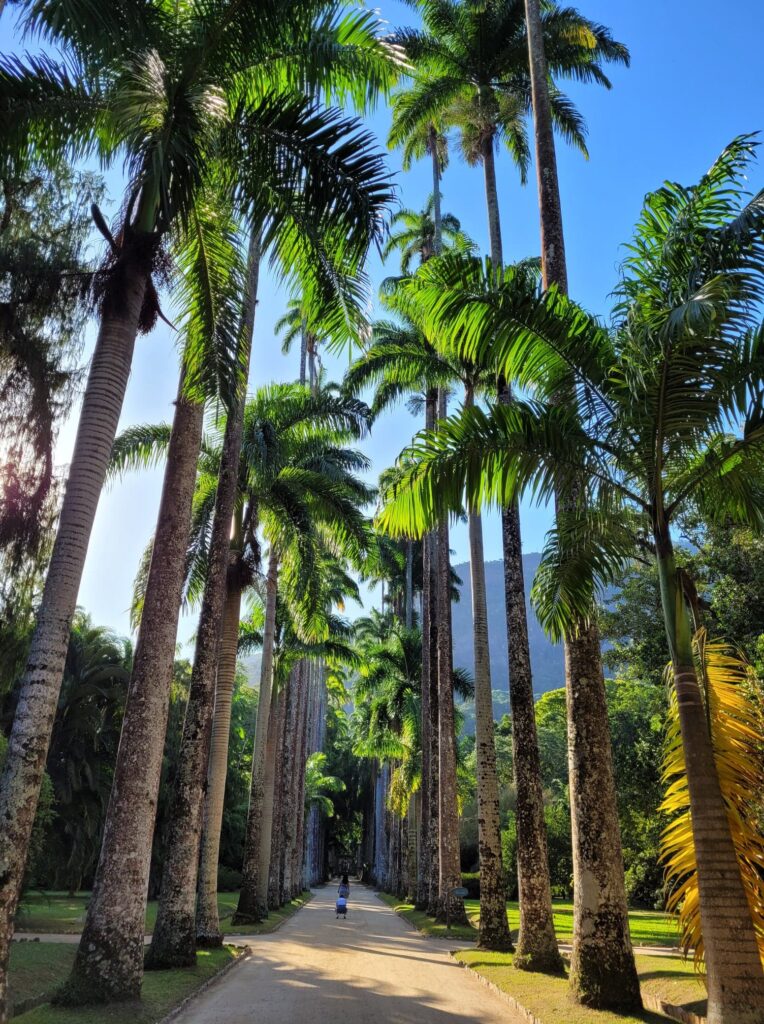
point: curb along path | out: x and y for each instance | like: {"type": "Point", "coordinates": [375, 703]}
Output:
{"type": "Point", "coordinates": [369, 969]}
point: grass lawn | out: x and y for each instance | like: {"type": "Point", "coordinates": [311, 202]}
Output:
{"type": "Point", "coordinates": [57, 912]}
{"type": "Point", "coordinates": [37, 968]}
{"type": "Point", "coordinates": [648, 928]}
{"type": "Point", "coordinates": [669, 978]}
{"type": "Point", "coordinates": [425, 924]}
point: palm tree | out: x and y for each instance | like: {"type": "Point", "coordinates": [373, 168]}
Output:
{"type": "Point", "coordinates": [193, 116]}
{"type": "Point", "coordinates": [305, 498]}
{"type": "Point", "coordinates": [398, 360]}
{"type": "Point", "coordinates": [668, 417]}
{"type": "Point", "coordinates": [473, 71]}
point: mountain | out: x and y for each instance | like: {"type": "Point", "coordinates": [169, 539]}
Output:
{"type": "Point", "coordinates": [546, 657]}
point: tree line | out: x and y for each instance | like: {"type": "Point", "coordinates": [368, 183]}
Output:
{"type": "Point", "coordinates": [231, 121]}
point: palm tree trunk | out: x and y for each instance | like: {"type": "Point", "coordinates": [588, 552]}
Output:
{"type": "Point", "coordinates": [294, 698]}
{"type": "Point", "coordinates": [174, 940]}
{"type": "Point", "coordinates": [279, 800]}
{"type": "Point", "coordinates": [492, 205]}
{"type": "Point", "coordinates": [38, 695]}
{"type": "Point", "coordinates": [289, 811]}
{"type": "Point", "coordinates": [247, 909]}
{"type": "Point", "coordinates": [494, 930]}
{"type": "Point", "coordinates": [409, 584]}
{"type": "Point", "coordinates": [298, 864]}
{"type": "Point", "coordinates": [554, 268]}
{"type": "Point", "coordinates": [422, 896]}
{"type": "Point", "coordinates": [266, 828]}
{"type": "Point", "coordinates": [603, 973]}
{"type": "Point", "coordinates": [734, 974]}
{"type": "Point", "coordinates": [449, 866]}
{"type": "Point", "coordinates": [208, 931]}
{"type": "Point", "coordinates": [109, 961]}
{"type": "Point", "coordinates": [537, 948]}
{"type": "Point", "coordinates": [432, 842]}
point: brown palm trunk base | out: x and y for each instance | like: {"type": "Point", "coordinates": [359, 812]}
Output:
{"type": "Point", "coordinates": [266, 830]}
{"type": "Point", "coordinates": [109, 961]}
{"type": "Point", "coordinates": [208, 932]}
{"type": "Point", "coordinates": [494, 928]}
{"type": "Point", "coordinates": [537, 948]}
{"type": "Point", "coordinates": [279, 802]}
{"type": "Point", "coordinates": [247, 910]}
{"type": "Point", "coordinates": [38, 695]}
{"type": "Point", "coordinates": [449, 867]}
{"type": "Point", "coordinates": [602, 970]}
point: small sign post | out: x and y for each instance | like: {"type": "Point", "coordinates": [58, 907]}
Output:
{"type": "Point", "coordinates": [458, 891]}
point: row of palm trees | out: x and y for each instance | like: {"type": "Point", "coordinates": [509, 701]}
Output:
{"type": "Point", "coordinates": [221, 113]}
{"type": "Point", "coordinates": [234, 155]}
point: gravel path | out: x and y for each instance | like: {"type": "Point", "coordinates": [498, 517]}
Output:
{"type": "Point", "coordinates": [369, 969]}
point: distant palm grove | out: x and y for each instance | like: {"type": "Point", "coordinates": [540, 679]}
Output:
{"type": "Point", "coordinates": [299, 736]}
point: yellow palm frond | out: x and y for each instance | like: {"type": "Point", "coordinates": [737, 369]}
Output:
{"type": "Point", "coordinates": [737, 732]}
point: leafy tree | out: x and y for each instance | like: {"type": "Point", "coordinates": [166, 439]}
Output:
{"type": "Point", "coordinates": [670, 419]}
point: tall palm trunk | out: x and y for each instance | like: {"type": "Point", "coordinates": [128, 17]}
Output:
{"type": "Point", "coordinates": [109, 961]}
{"type": "Point", "coordinates": [174, 939]}
{"type": "Point", "coordinates": [279, 800]}
{"type": "Point", "coordinates": [537, 948]}
{"type": "Point", "coordinates": [247, 909]}
{"type": "Point", "coordinates": [734, 973]}
{"type": "Point", "coordinates": [494, 929]}
{"type": "Point", "coordinates": [266, 828]}
{"type": "Point", "coordinates": [208, 932]}
{"type": "Point", "coordinates": [421, 899]}
{"type": "Point", "coordinates": [449, 866]}
{"type": "Point", "coordinates": [433, 846]}
{"type": "Point", "coordinates": [409, 606]}
{"type": "Point", "coordinates": [603, 973]}
{"type": "Point", "coordinates": [289, 810]}
{"type": "Point", "coordinates": [38, 695]}
{"type": "Point", "coordinates": [299, 881]}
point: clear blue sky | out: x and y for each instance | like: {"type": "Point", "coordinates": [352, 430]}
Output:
{"type": "Point", "coordinates": [696, 81]}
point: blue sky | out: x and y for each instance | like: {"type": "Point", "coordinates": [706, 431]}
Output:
{"type": "Point", "coordinates": [696, 81]}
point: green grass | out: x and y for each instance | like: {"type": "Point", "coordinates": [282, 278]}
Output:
{"type": "Point", "coordinates": [669, 978]}
{"type": "Point", "coordinates": [648, 928]}
{"type": "Point", "coordinates": [59, 913]}
{"type": "Point", "coordinates": [425, 924]}
{"type": "Point", "coordinates": [38, 968]}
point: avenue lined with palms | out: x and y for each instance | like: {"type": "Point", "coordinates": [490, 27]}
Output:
{"type": "Point", "coordinates": [296, 739]}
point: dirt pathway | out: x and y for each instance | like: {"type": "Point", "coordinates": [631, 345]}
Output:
{"type": "Point", "coordinates": [369, 969]}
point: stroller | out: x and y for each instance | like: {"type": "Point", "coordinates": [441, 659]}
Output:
{"type": "Point", "coordinates": [341, 907]}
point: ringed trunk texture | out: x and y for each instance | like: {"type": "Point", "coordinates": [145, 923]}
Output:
{"type": "Point", "coordinates": [554, 268]}
{"type": "Point", "coordinates": [247, 909]}
{"type": "Point", "coordinates": [734, 974]}
{"type": "Point", "coordinates": [603, 973]}
{"type": "Point", "coordinates": [208, 932]}
{"type": "Point", "coordinates": [602, 969]}
{"type": "Point", "coordinates": [423, 861]}
{"type": "Point", "coordinates": [269, 784]}
{"type": "Point", "coordinates": [299, 880]}
{"type": "Point", "coordinates": [449, 866]}
{"type": "Point", "coordinates": [432, 846]}
{"type": "Point", "coordinates": [289, 810]}
{"type": "Point", "coordinates": [173, 943]}
{"type": "Point", "coordinates": [38, 696]}
{"type": "Point", "coordinates": [277, 831]}
{"type": "Point", "coordinates": [109, 960]}
{"type": "Point", "coordinates": [494, 929]}
{"type": "Point", "coordinates": [537, 948]}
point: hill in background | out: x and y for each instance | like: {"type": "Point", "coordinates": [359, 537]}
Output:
{"type": "Point", "coordinates": [546, 657]}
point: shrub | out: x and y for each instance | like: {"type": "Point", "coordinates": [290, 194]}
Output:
{"type": "Point", "coordinates": [229, 880]}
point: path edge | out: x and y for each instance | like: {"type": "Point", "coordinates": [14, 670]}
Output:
{"type": "Point", "coordinates": [240, 936]}
{"type": "Point", "coordinates": [505, 997]}
{"type": "Point", "coordinates": [240, 958]}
